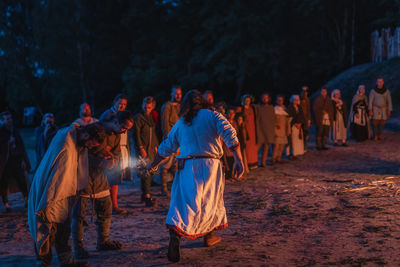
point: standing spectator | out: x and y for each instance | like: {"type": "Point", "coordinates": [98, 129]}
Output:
{"type": "Point", "coordinates": [44, 134]}
{"type": "Point", "coordinates": [155, 114]}
{"type": "Point", "coordinates": [146, 143]}
{"type": "Point", "coordinates": [340, 116]}
{"type": "Point", "coordinates": [209, 99]}
{"type": "Point", "coordinates": [380, 107]}
{"type": "Point", "coordinates": [359, 119]}
{"type": "Point", "coordinates": [296, 127]}
{"type": "Point", "coordinates": [243, 137]}
{"type": "Point", "coordinates": [169, 116]}
{"type": "Point", "coordinates": [228, 157]}
{"type": "Point", "coordinates": [306, 107]}
{"type": "Point", "coordinates": [323, 112]}
{"type": "Point", "coordinates": [14, 162]}
{"type": "Point", "coordinates": [251, 128]}
{"type": "Point", "coordinates": [221, 107]}
{"type": "Point", "coordinates": [119, 104]}
{"type": "Point", "coordinates": [85, 115]}
{"type": "Point", "coordinates": [266, 126]}
{"type": "Point", "coordinates": [282, 129]}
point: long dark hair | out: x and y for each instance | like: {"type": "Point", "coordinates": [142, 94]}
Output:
{"type": "Point", "coordinates": [191, 104]}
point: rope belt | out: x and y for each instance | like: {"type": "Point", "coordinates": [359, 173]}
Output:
{"type": "Point", "coordinates": [199, 157]}
{"type": "Point", "coordinates": [101, 194]}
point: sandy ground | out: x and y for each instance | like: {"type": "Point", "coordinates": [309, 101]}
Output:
{"type": "Point", "coordinates": [334, 208]}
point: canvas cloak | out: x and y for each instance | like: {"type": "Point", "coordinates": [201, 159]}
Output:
{"type": "Point", "coordinates": [62, 172]}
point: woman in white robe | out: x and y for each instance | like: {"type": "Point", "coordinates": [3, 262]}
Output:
{"type": "Point", "coordinates": [340, 116]}
{"type": "Point", "coordinates": [197, 205]}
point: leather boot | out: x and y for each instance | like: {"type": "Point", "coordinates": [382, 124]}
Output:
{"type": "Point", "coordinates": [66, 260]}
{"type": "Point", "coordinates": [77, 239]}
{"type": "Point", "coordinates": [210, 239]}
{"type": "Point", "coordinates": [174, 248]}
{"type": "Point", "coordinates": [103, 234]}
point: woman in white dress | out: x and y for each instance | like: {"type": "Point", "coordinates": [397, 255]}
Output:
{"type": "Point", "coordinates": [197, 205]}
{"type": "Point", "coordinates": [340, 116]}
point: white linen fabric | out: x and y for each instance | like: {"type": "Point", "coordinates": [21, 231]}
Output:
{"type": "Point", "coordinates": [62, 172]}
{"type": "Point", "coordinates": [197, 204]}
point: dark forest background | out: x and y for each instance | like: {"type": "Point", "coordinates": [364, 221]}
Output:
{"type": "Point", "coordinates": [56, 54]}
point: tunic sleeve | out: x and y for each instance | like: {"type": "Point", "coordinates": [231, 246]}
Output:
{"type": "Point", "coordinates": [170, 145]}
{"type": "Point", "coordinates": [226, 130]}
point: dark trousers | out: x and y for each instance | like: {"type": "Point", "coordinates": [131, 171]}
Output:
{"type": "Point", "coordinates": [145, 183]}
{"type": "Point", "coordinates": [378, 126]}
{"type": "Point", "coordinates": [103, 209]}
{"type": "Point", "coordinates": [13, 170]}
{"type": "Point", "coordinates": [305, 135]}
{"type": "Point", "coordinates": [168, 169]}
{"type": "Point", "coordinates": [59, 236]}
{"type": "Point", "coordinates": [323, 131]}
{"type": "Point", "coordinates": [228, 167]}
{"type": "Point", "coordinates": [322, 135]}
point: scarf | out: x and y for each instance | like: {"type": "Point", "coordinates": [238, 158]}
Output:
{"type": "Point", "coordinates": [380, 91]}
{"type": "Point", "coordinates": [280, 110]}
{"type": "Point", "coordinates": [336, 100]}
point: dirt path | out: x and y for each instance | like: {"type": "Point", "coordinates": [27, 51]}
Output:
{"type": "Point", "coordinates": [338, 207]}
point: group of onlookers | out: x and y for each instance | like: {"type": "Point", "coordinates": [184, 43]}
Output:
{"type": "Point", "coordinates": [262, 129]}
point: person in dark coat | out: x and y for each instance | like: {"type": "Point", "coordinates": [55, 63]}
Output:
{"type": "Point", "coordinates": [265, 126]}
{"type": "Point", "coordinates": [44, 134]}
{"type": "Point", "coordinates": [14, 162]}
{"type": "Point", "coordinates": [105, 157]}
{"type": "Point", "coordinates": [146, 143]}
{"type": "Point", "coordinates": [119, 104]}
{"type": "Point", "coordinates": [323, 113]}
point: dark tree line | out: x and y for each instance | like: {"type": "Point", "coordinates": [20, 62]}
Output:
{"type": "Point", "coordinates": [57, 54]}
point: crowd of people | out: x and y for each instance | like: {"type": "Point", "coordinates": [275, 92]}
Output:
{"type": "Point", "coordinates": [93, 156]}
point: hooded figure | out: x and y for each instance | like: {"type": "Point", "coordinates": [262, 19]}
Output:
{"type": "Point", "coordinates": [60, 175]}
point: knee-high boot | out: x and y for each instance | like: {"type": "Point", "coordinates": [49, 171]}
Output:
{"type": "Point", "coordinates": [103, 236]}
{"type": "Point", "coordinates": [77, 227]}
{"type": "Point", "coordinates": [174, 248]}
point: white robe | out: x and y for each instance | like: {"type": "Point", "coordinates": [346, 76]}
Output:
{"type": "Point", "coordinates": [62, 172]}
{"type": "Point", "coordinates": [197, 204]}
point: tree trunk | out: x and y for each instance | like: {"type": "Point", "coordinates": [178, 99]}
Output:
{"type": "Point", "coordinates": [80, 54]}
{"type": "Point", "coordinates": [353, 33]}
